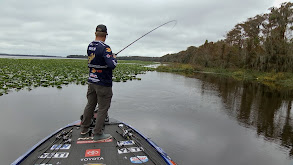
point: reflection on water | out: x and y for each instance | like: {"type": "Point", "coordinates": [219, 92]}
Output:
{"type": "Point", "coordinates": [202, 120]}
{"type": "Point", "coordinates": [256, 106]}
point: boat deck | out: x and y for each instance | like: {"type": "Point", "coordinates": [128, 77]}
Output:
{"type": "Point", "coordinates": [68, 147]}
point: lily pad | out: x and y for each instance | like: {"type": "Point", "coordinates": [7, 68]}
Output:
{"type": "Point", "coordinates": [27, 73]}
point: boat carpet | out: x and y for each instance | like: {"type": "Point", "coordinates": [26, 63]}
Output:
{"type": "Point", "coordinates": [82, 150]}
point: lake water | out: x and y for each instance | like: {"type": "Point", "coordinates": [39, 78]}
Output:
{"type": "Point", "coordinates": [202, 120]}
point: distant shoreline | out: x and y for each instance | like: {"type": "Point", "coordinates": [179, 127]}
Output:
{"type": "Point", "coordinates": [25, 55]}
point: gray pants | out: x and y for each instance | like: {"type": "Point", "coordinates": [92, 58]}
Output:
{"type": "Point", "coordinates": [102, 96]}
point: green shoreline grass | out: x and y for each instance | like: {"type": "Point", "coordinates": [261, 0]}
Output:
{"type": "Point", "coordinates": [274, 80]}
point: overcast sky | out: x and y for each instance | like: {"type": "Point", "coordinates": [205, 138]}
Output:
{"type": "Point", "coordinates": [65, 27]}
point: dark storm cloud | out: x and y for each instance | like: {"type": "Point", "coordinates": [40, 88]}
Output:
{"type": "Point", "coordinates": [66, 27]}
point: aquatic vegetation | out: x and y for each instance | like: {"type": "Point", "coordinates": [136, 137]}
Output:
{"type": "Point", "coordinates": [17, 74]}
{"type": "Point", "coordinates": [177, 68]}
{"type": "Point", "coordinates": [124, 72]}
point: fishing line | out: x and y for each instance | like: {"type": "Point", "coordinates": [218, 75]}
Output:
{"type": "Point", "coordinates": [146, 34]}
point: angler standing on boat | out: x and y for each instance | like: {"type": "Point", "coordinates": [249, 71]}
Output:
{"type": "Point", "coordinates": [101, 62]}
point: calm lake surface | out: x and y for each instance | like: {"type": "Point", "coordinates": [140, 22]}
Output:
{"type": "Point", "coordinates": [203, 120]}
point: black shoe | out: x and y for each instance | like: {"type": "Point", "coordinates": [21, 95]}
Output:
{"type": "Point", "coordinates": [84, 131]}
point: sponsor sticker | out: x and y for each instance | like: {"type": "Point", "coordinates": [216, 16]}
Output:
{"type": "Point", "coordinates": [92, 152]}
{"type": "Point", "coordinates": [88, 140]}
{"type": "Point", "coordinates": [128, 150]}
{"type": "Point", "coordinates": [125, 143]}
{"type": "Point", "coordinates": [60, 147]}
{"type": "Point", "coordinates": [139, 159]}
{"type": "Point", "coordinates": [91, 159]}
{"type": "Point", "coordinates": [55, 155]}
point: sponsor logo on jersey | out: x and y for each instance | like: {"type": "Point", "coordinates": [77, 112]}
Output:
{"type": "Point", "coordinates": [93, 75]}
{"type": "Point", "coordinates": [125, 143]}
{"type": "Point", "coordinates": [92, 48]}
{"type": "Point", "coordinates": [108, 50]}
{"type": "Point", "coordinates": [55, 155]}
{"type": "Point", "coordinates": [93, 152]}
{"type": "Point", "coordinates": [108, 56]}
{"type": "Point", "coordinates": [60, 147]}
{"type": "Point", "coordinates": [128, 150]}
{"type": "Point", "coordinates": [139, 159]}
{"type": "Point", "coordinates": [96, 71]}
{"type": "Point", "coordinates": [91, 57]}
{"type": "Point", "coordinates": [94, 79]}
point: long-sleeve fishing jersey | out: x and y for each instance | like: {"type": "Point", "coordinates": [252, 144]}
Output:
{"type": "Point", "coordinates": [101, 63]}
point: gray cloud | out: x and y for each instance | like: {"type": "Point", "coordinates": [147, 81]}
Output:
{"type": "Point", "coordinates": [66, 27]}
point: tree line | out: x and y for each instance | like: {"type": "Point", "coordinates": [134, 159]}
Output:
{"type": "Point", "coordinates": [140, 58]}
{"type": "Point", "coordinates": [263, 43]}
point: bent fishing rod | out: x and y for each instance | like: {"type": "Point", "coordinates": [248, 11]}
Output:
{"type": "Point", "coordinates": [145, 35]}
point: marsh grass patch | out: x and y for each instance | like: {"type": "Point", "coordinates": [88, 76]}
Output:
{"type": "Point", "coordinates": [17, 74]}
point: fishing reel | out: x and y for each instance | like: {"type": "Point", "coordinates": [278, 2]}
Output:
{"type": "Point", "coordinates": [127, 133]}
{"type": "Point", "coordinates": [65, 136]}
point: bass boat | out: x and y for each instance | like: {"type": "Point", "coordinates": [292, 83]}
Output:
{"type": "Point", "coordinates": [67, 146]}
